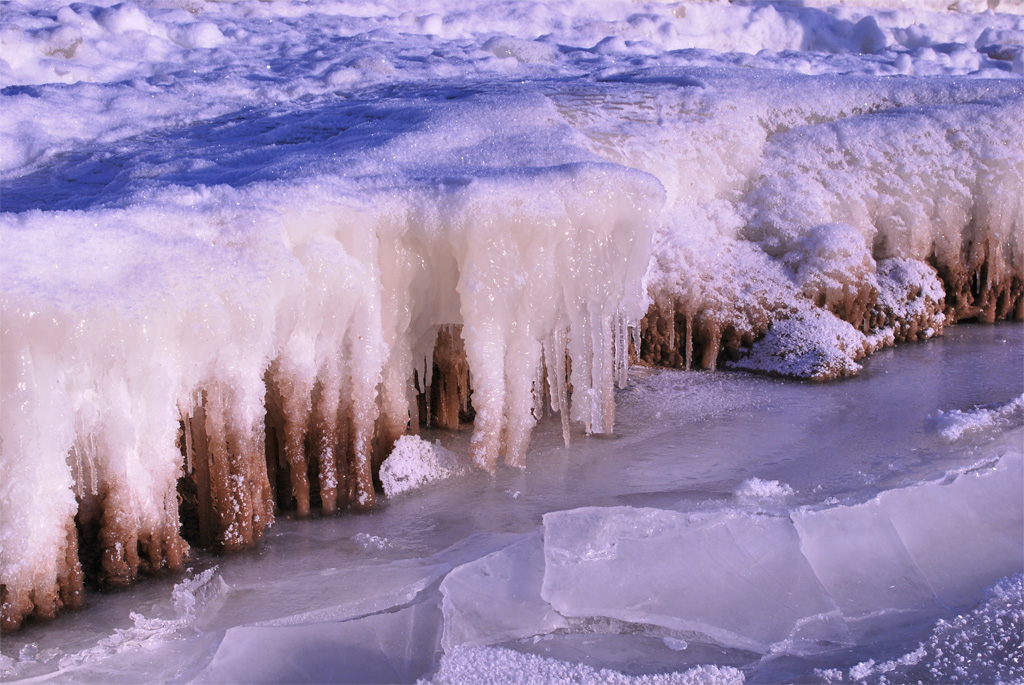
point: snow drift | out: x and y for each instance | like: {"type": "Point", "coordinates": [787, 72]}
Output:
{"type": "Point", "coordinates": [229, 287]}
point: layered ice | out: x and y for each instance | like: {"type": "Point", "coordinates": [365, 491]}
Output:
{"type": "Point", "coordinates": [247, 246]}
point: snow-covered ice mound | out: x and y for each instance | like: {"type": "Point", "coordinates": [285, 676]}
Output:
{"type": "Point", "coordinates": [245, 245]}
{"type": "Point", "coordinates": [414, 462]}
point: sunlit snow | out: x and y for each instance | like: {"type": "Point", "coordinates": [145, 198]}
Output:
{"type": "Point", "coordinates": [248, 246]}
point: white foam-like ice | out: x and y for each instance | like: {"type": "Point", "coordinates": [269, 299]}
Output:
{"type": "Point", "coordinates": [957, 423]}
{"type": "Point", "coordinates": [757, 489]}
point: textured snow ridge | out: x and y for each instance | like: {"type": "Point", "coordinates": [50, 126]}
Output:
{"type": "Point", "coordinates": [497, 666]}
{"type": "Point", "coordinates": [246, 246]}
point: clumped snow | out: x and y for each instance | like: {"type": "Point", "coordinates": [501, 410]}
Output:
{"type": "Point", "coordinates": [756, 489]}
{"type": "Point", "coordinates": [957, 423]}
{"type": "Point", "coordinates": [496, 666]}
{"type": "Point", "coordinates": [245, 243]}
{"type": "Point", "coordinates": [414, 462]}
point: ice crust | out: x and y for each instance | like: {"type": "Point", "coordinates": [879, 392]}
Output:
{"type": "Point", "coordinates": [244, 245]}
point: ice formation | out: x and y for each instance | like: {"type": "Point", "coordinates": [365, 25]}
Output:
{"type": "Point", "coordinates": [248, 246]}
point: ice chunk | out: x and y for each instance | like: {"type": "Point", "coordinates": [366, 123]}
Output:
{"type": "Point", "coordinates": [414, 462]}
{"type": "Point", "coordinates": [858, 555]}
{"type": "Point", "coordinates": [497, 597]}
{"type": "Point", "coordinates": [934, 544]}
{"type": "Point", "coordinates": [737, 578]}
{"type": "Point", "coordinates": [391, 647]}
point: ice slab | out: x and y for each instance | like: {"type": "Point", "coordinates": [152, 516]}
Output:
{"type": "Point", "coordinates": [393, 647]}
{"type": "Point", "coordinates": [738, 578]}
{"type": "Point", "coordinates": [497, 597]}
{"type": "Point", "coordinates": [796, 582]}
{"type": "Point", "coordinates": [324, 596]}
{"type": "Point", "coordinates": [938, 543]}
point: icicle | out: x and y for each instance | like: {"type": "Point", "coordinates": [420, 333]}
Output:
{"type": "Point", "coordinates": [689, 339]}
{"type": "Point", "coordinates": [672, 333]}
{"type": "Point", "coordinates": [637, 339]}
{"type": "Point", "coordinates": [561, 378]}
{"type": "Point", "coordinates": [187, 420]}
{"type": "Point", "coordinates": [538, 386]}
{"type": "Point", "coordinates": [79, 472]}
{"type": "Point", "coordinates": [621, 351]}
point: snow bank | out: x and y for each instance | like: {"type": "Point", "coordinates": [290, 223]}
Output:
{"type": "Point", "coordinates": [246, 245]}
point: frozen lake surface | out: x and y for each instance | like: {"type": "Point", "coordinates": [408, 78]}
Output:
{"type": "Point", "coordinates": [733, 527]}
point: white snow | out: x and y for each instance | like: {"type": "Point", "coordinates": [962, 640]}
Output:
{"type": "Point", "coordinates": [757, 489]}
{"type": "Point", "coordinates": [414, 462]}
{"type": "Point", "coordinates": [495, 666]}
{"type": "Point", "coordinates": [957, 423]}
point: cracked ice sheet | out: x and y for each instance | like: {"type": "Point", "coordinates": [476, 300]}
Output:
{"type": "Point", "coordinates": [792, 583]}
{"type": "Point", "coordinates": [737, 578]}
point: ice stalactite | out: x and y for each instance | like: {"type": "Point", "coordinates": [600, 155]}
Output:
{"type": "Point", "coordinates": [272, 356]}
{"type": "Point", "coordinates": [447, 386]}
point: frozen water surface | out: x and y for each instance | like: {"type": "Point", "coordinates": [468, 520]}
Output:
{"type": "Point", "coordinates": [648, 552]}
